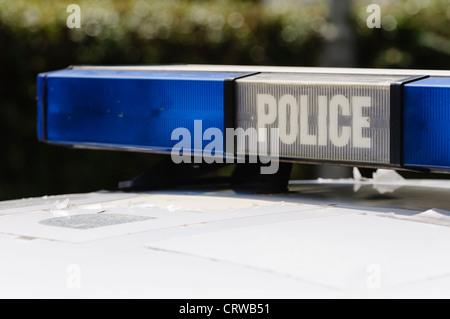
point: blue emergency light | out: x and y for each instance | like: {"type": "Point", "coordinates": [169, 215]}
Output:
{"type": "Point", "coordinates": [130, 109]}
{"type": "Point", "coordinates": [355, 117]}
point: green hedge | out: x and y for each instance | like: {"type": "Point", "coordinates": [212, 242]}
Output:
{"type": "Point", "coordinates": [34, 38]}
{"type": "Point", "coordinates": [414, 34]}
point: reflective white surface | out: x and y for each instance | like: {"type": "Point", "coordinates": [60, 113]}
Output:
{"type": "Point", "coordinates": [325, 238]}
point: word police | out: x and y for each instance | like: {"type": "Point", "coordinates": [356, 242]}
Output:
{"type": "Point", "coordinates": [293, 119]}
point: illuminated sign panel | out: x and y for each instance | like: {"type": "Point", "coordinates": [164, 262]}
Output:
{"type": "Point", "coordinates": [321, 116]}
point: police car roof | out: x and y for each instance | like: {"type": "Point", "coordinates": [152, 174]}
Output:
{"type": "Point", "coordinates": [380, 237]}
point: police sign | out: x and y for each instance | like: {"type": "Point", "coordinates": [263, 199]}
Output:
{"type": "Point", "coordinates": [322, 117]}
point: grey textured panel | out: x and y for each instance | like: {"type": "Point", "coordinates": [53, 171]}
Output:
{"type": "Point", "coordinates": [306, 92]}
{"type": "Point", "coordinates": [87, 221]}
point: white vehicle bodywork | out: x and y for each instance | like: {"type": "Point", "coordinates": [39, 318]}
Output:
{"type": "Point", "coordinates": [351, 238]}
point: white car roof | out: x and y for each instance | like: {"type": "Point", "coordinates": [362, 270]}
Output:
{"type": "Point", "coordinates": [349, 238]}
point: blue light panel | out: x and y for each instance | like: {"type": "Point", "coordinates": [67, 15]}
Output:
{"type": "Point", "coordinates": [427, 124]}
{"type": "Point", "coordinates": [136, 109]}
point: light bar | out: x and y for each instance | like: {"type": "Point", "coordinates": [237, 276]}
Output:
{"type": "Point", "coordinates": [355, 117]}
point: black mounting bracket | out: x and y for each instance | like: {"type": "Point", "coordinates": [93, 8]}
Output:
{"type": "Point", "coordinates": [246, 177]}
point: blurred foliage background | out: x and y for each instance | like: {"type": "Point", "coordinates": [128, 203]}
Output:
{"type": "Point", "coordinates": [34, 38]}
